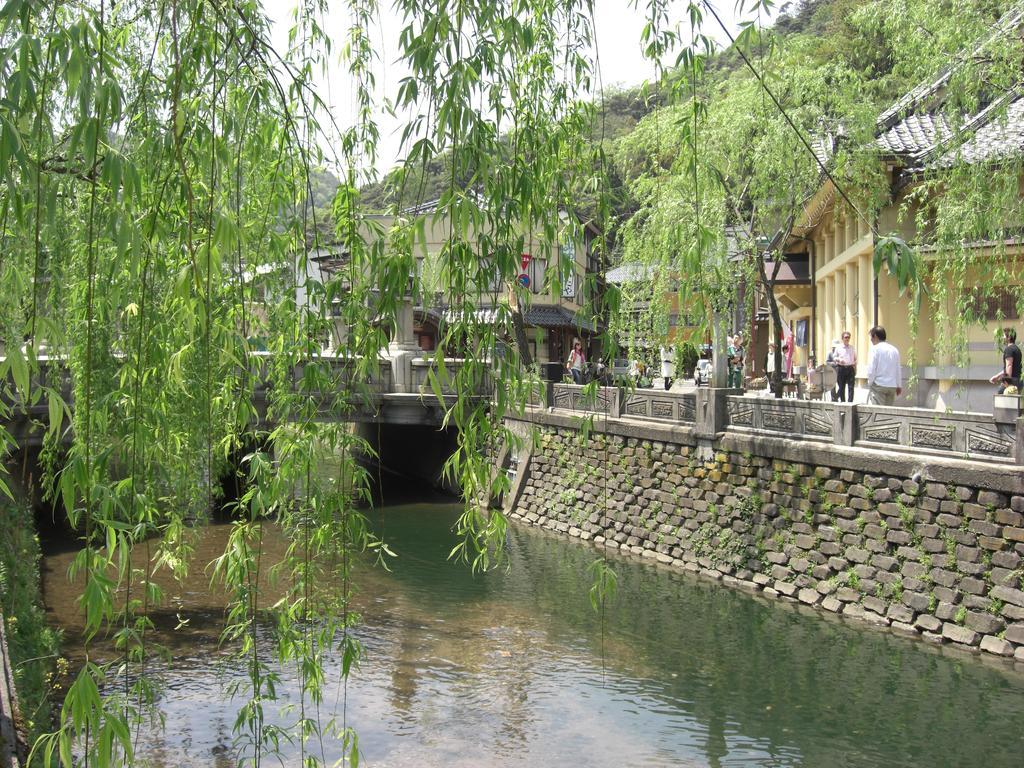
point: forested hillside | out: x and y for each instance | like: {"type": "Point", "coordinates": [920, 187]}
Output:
{"type": "Point", "coordinates": [887, 45]}
{"type": "Point", "coordinates": [850, 31]}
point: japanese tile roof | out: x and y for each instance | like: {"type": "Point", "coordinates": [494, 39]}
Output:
{"type": "Point", "coordinates": [630, 272]}
{"type": "Point", "coordinates": [541, 316]}
{"type": "Point", "coordinates": [914, 134]}
{"type": "Point", "coordinates": [1000, 137]}
{"type": "Point", "coordinates": [917, 98]}
{"type": "Point", "coordinates": [927, 142]}
{"type": "Point", "coordinates": [915, 130]}
{"type": "Point", "coordinates": [824, 147]}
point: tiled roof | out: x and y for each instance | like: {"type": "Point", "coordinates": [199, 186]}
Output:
{"type": "Point", "coordinates": [1001, 137]}
{"type": "Point", "coordinates": [927, 141]}
{"type": "Point", "coordinates": [824, 147]}
{"type": "Point", "coordinates": [556, 317]}
{"type": "Point", "coordinates": [630, 272]}
{"type": "Point", "coordinates": [914, 134]}
{"type": "Point", "coordinates": [915, 129]}
{"type": "Point", "coordinates": [916, 99]}
{"type": "Point", "coordinates": [912, 100]}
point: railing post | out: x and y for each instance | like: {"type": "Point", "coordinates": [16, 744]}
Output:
{"type": "Point", "coordinates": [844, 427]}
{"type": "Point", "coordinates": [712, 414]}
{"type": "Point", "coordinates": [1018, 443]}
{"type": "Point", "coordinates": [403, 348]}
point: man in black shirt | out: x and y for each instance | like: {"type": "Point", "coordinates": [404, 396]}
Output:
{"type": "Point", "coordinates": [1010, 374]}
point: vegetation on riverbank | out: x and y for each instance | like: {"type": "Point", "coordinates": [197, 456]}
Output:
{"type": "Point", "coordinates": [32, 644]}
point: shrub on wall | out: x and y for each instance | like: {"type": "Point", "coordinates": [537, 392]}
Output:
{"type": "Point", "coordinates": [32, 644]}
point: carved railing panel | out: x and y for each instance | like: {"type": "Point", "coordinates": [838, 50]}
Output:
{"type": "Point", "coordinates": [966, 435]}
{"type": "Point", "coordinates": [798, 419]}
{"type": "Point", "coordinates": [660, 406]}
{"type": "Point", "coordinates": [572, 397]}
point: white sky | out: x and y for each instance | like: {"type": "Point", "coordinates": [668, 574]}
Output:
{"type": "Point", "coordinates": [618, 29]}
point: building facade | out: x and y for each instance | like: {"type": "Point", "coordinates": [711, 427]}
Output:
{"type": "Point", "coordinates": [947, 359]}
{"type": "Point", "coordinates": [562, 283]}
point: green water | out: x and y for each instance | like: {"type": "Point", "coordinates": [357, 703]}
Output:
{"type": "Point", "coordinates": [516, 669]}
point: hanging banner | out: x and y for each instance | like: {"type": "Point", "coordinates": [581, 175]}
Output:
{"type": "Point", "coordinates": [525, 261]}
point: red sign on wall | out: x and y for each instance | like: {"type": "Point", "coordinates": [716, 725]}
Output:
{"type": "Point", "coordinates": [525, 261]}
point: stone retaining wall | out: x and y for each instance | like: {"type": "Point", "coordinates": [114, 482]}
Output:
{"type": "Point", "coordinates": [923, 552]}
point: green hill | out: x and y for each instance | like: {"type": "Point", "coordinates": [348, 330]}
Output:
{"type": "Point", "coordinates": [892, 43]}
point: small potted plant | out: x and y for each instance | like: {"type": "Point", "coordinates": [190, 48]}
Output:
{"type": "Point", "coordinates": [1006, 406]}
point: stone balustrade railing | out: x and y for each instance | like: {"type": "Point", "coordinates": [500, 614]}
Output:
{"type": "Point", "coordinates": [589, 399]}
{"type": "Point", "coordinates": [907, 430]}
{"type": "Point", "coordinates": [421, 367]}
{"type": "Point", "coordinates": [913, 430]}
{"type": "Point", "coordinates": [659, 406]}
{"type": "Point", "coordinates": [342, 387]}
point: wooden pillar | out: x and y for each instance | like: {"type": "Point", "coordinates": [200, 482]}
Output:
{"type": "Point", "coordinates": [840, 314]}
{"type": "Point", "coordinates": [866, 319]}
{"type": "Point", "coordinates": [819, 320]}
{"type": "Point", "coordinates": [829, 313]}
{"type": "Point", "coordinates": [852, 309]}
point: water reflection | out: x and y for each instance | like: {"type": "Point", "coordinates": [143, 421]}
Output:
{"type": "Point", "coordinates": [515, 668]}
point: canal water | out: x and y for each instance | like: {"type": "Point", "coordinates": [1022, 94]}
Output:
{"type": "Point", "coordinates": [515, 668]}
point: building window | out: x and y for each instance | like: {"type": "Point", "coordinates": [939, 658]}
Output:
{"type": "Point", "coordinates": [995, 304]}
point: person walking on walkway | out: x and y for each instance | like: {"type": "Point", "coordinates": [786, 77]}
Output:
{"type": "Point", "coordinates": [667, 366]}
{"type": "Point", "coordinates": [884, 373]}
{"type": "Point", "coordinates": [1009, 376]}
{"type": "Point", "coordinates": [845, 359]}
{"type": "Point", "coordinates": [576, 362]}
{"type": "Point", "coordinates": [736, 362]}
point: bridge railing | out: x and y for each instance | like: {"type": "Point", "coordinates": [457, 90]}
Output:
{"type": "Point", "coordinates": [679, 407]}
{"type": "Point", "coordinates": [913, 430]}
{"type": "Point", "coordinates": [344, 371]}
{"type": "Point", "coordinates": [974, 436]}
{"type": "Point", "coordinates": [342, 385]}
{"type": "Point", "coordinates": [587, 399]}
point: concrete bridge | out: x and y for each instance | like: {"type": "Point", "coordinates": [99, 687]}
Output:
{"type": "Point", "coordinates": [397, 392]}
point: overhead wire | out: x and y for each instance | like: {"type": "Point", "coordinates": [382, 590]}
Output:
{"type": "Point", "coordinates": [785, 115]}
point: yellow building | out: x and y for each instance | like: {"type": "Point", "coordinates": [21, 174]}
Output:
{"type": "Point", "coordinates": [844, 292]}
{"type": "Point", "coordinates": [554, 311]}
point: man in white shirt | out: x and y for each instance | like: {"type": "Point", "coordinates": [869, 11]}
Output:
{"type": "Point", "coordinates": [884, 373]}
{"type": "Point", "coordinates": [844, 357]}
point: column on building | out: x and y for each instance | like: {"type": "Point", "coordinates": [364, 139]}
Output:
{"type": "Point", "coordinates": [852, 309]}
{"type": "Point", "coordinates": [839, 315]}
{"type": "Point", "coordinates": [819, 319]}
{"type": "Point", "coordinates": [828, 313]}
{"type": "Point", "coordinates": [866, 319]}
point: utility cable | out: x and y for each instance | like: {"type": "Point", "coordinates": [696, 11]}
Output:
{"type": "Point", "coordinates": [789, 120]}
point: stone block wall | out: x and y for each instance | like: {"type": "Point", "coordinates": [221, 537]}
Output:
{"type": "Point", "coordinates": [941, 560]}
